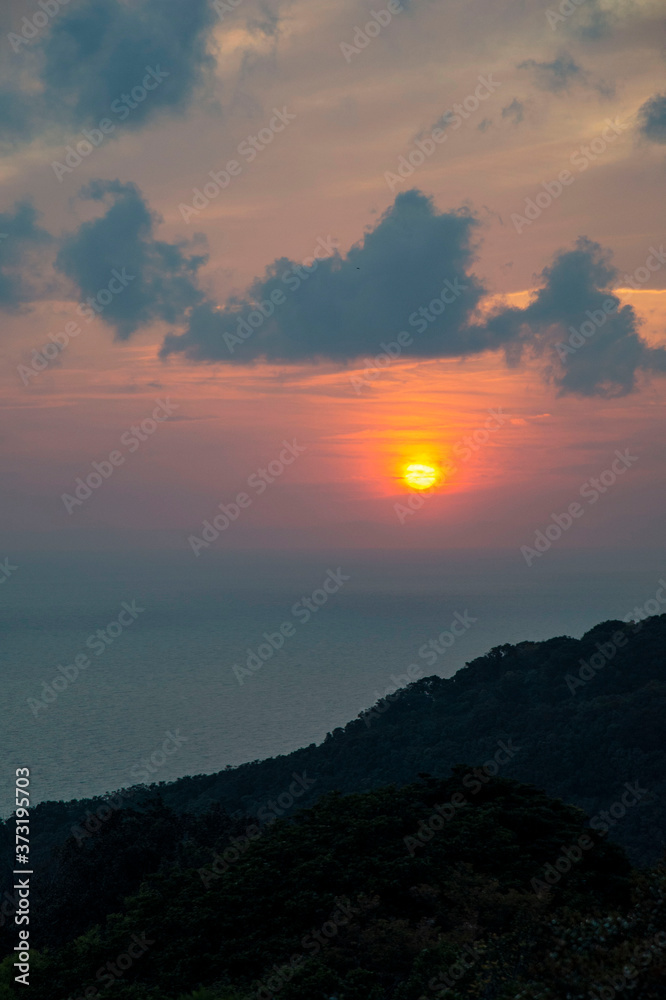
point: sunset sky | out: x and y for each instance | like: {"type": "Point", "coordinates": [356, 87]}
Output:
{"type": "Point", "coordinates": [504, 98]}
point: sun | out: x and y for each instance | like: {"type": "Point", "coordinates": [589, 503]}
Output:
{"type": "Point", "coordinates": [421, 477]}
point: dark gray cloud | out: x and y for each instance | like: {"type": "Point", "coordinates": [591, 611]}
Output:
{"type": "Point", "coordinates": [407, 282]}
{"type": "Point", "coordinates": [347, 305]}
{"type": "Point", "coordinates": [589, 21]}
{"type": "Point", "coordinates": [515, 111]}
{"type": "Point", "coordinates": [91, 54]}
{"type": "Point", "coordinates": [563, 72]}
{"type": "Point", "coordinates": [22, 241]}
{"type": "Point", "coordinates": [555, 76]}
{"type": "Point", "coordinates": [160, 278]}
{"type": "Point", "coordinates": [411, 272]}
{"type": "Point", "coordinates": [19, 119]}
{"type": "Point", "coordinates": [590, 342]}
{"type": "Point", "coordinates": [652, 118]}
{"type": "Point", "coordinates": [95, 53]}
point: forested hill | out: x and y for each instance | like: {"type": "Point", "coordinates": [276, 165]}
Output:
{"type": "Point", "coordinates": [502, 894]}
{"type": "Point", "coordinates": [580, 740]}
{"type": "Point", "coordinates": [582, 732]}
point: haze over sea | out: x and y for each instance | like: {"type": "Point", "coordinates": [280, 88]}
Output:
{"type": "Point", "coordinates": [171, 669]}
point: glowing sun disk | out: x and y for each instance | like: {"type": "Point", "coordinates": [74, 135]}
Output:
{"type": "Point", "coordinates": [421, 477]}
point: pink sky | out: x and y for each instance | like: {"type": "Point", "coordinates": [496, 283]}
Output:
{"type": "Point", "coordinates": [324, 176]}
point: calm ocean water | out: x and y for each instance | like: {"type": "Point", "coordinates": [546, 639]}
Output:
{"type": "Point", "coordinates": [171, 668]}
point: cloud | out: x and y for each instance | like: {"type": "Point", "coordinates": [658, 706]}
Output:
{"type": "Point", "coordinates": [347, 305]}
{"type": "Point", "coordinates": [160, 277]}
{"type": "Point", "coordinates": [21, 243]}
{"type": "Point", "coordinates": [652, 118]}
{"type": "Point", "coordinates": [515, 111]}
{"type": "Point", "coordinates": [93, 53]}
{"type": "Point", "coordinates": [555, 76]}
{"type": "Point", "coordinates": [627, 23]}
{"type": "Point", "coordinates": [411, 272]}
{"type": "Point", "coordinates": [350, 305]}
{"type": "Point", "coordinates": [591, 21]}
{"type": "Point", "coordinates": [18, 118]}
{"type": "Point", "coordinates": [558, 76]}
{"type": "Point", "coordinates": [607, 356]}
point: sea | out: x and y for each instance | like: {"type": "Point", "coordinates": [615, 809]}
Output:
{"type": "Point", "coordinates": [119, 667]}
